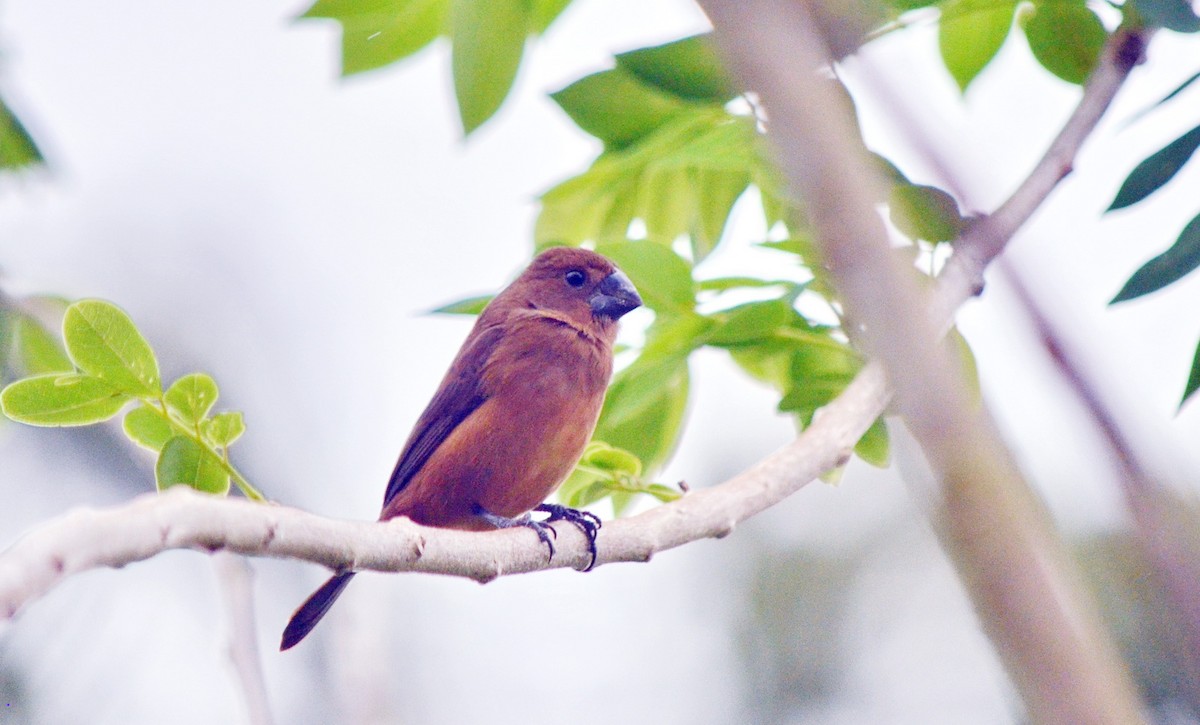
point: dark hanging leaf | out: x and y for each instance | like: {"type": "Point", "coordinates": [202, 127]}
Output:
{"type": "Point", "coordinates": [1156, 170]}
{"type": "Point", "coordinates": [1174, 15]}
{"type": "Point", "coordinates": [1178, 89]}
{"type": "Point", "coordinates": [1193, 383]}
{"type": "Point", "coordinates": [1168, 267]}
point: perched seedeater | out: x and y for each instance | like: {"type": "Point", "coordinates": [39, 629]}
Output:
{"type": "Point", "coordinates": [513, 414]}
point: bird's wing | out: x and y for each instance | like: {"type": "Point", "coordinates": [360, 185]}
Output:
{"type": "Point", "coordinates": [459, 395]}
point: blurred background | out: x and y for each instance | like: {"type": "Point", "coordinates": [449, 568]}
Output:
{"type": "Point", "coordinates": [287, 232]}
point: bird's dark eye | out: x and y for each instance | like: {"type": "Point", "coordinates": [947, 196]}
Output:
{"type": "Point", "coordinates": [575, 278]}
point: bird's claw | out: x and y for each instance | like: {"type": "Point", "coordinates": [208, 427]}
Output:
{"type": "Point", "coordinates": [588, 522]}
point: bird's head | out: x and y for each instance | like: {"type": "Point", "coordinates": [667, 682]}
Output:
{"type": "Point", "coordinates": [577, 283]}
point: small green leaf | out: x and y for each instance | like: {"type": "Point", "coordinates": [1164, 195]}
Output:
{"type": "Point", "coordinates": [970, 34]}
{"type": "Point", "coordinates": [925, 212]}
{"type": "Point", "coordinates": [1168, 267]}
{"type": "Point", "coordinates": [616, 107]}
{"type": "Point", "coordinates": [468, 306]}
{"type": "Point", "coordinates": [147, 428]}
{"type": "Point", "coordinates": [1176, 15]}
{"type": "Point", "coordinates": [192, 396]}
{"type": "Point", "coordinates": [378, 32]}
{"type": "Point", "coordinates": [615, 461]}
{"type": "Point", "coordinates": [37, 350]}
{"type": "Point", "coordinates": [662, 277]}
{"type": "Point", "coordinates": [1066, 37]}
{"type": "Point", "coordinates": [874, 447]}
{"type": "Point", "coordinates": [223, 429]}
{"type": "Point", "coordinates": [183, 462]}
{"type": "Point", "coordinates": [103, 342]}
{"type": "Point", "coordinates": [62, 400]}
{"type": "Point", "coordinates": [17, 148]}
{"type": "Point", "coordinates": [688, 68]}
{"type": "Point", "coordinates": [1193, 382]}
{"type": "Point", "coordinates": [489, 40]}
{"type": "Point", "coordinates": [1156, 170]}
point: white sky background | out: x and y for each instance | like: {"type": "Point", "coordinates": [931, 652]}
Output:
{"type": "Point", "coordinates": [284, 230]}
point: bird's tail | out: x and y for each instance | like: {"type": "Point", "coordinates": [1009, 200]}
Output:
{"type": "Point", "coordinates": [315, 607]}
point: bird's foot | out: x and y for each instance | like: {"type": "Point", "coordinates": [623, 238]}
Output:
{"type": "Point", "coordinates": [588, 522]}
{"type": "Point", "coordinates": [541, 528]}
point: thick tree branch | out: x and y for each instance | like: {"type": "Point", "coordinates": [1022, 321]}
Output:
{"type": "Point", "coordinates": [1017, 573]}
{"type": "Point", "coordinates": [181, 519]}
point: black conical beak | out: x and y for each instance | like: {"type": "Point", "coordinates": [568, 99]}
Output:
{"type": "Point", "coordinates": [614, 296]}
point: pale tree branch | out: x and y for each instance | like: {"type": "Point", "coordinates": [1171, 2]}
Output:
{"type": "Point", "coordinates": [1164, 522]}
{"type": "Point", "coordinates": [182, 519]}
{"type": "Point", "coordinates": [1015, 570]}
{"type": "Point", "coordinates": [237, 587]}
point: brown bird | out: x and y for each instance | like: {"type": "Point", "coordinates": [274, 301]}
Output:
{"type": "Point", "coordinates": [513, 414]}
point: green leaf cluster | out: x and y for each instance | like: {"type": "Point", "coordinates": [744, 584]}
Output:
{"type": "Point", "coordinates": [487, 40]}
{"type": "Point", "coordinates": [1065, 36]}
{"type": "Point", "coordinates": [605, 471]}
{"type": "Point", "coordinates": [1181, 258]}
{"type": "Point", "coordinates": [105, 364]}
{"type": "Point", "coordinates": [676, 157]}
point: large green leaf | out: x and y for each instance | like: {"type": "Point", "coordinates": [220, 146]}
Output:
{"type": "Point", "coordinates": [1156, 170]}
{"type": "Point", "coordinates": [184, 462]}
{"type": "Point", "coordinates": [681, 178]}
{"type": "Point", "coordinates": [1066, 37]}
{"type": "Point", "coordinates": [1171, 265]}
{"type": "Point", "coordinates": [489, 40]}
{"type": "Point", "coordinates": [378, 32]}
{"type": "Point", "coordinates": [103, 342]}
{"type": "Point", "coordinates": [615, 107]}
{"type": "Point", "coordinates": [62, 400]}
{"type": "Point", "coordinates": [662, 277]}
{"type": "Point", "coordinates": [970, 34]}
{"type": "Point", "coordinates": [689, 68]}
{"type": "Point", "coordinates": [643, 411]}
